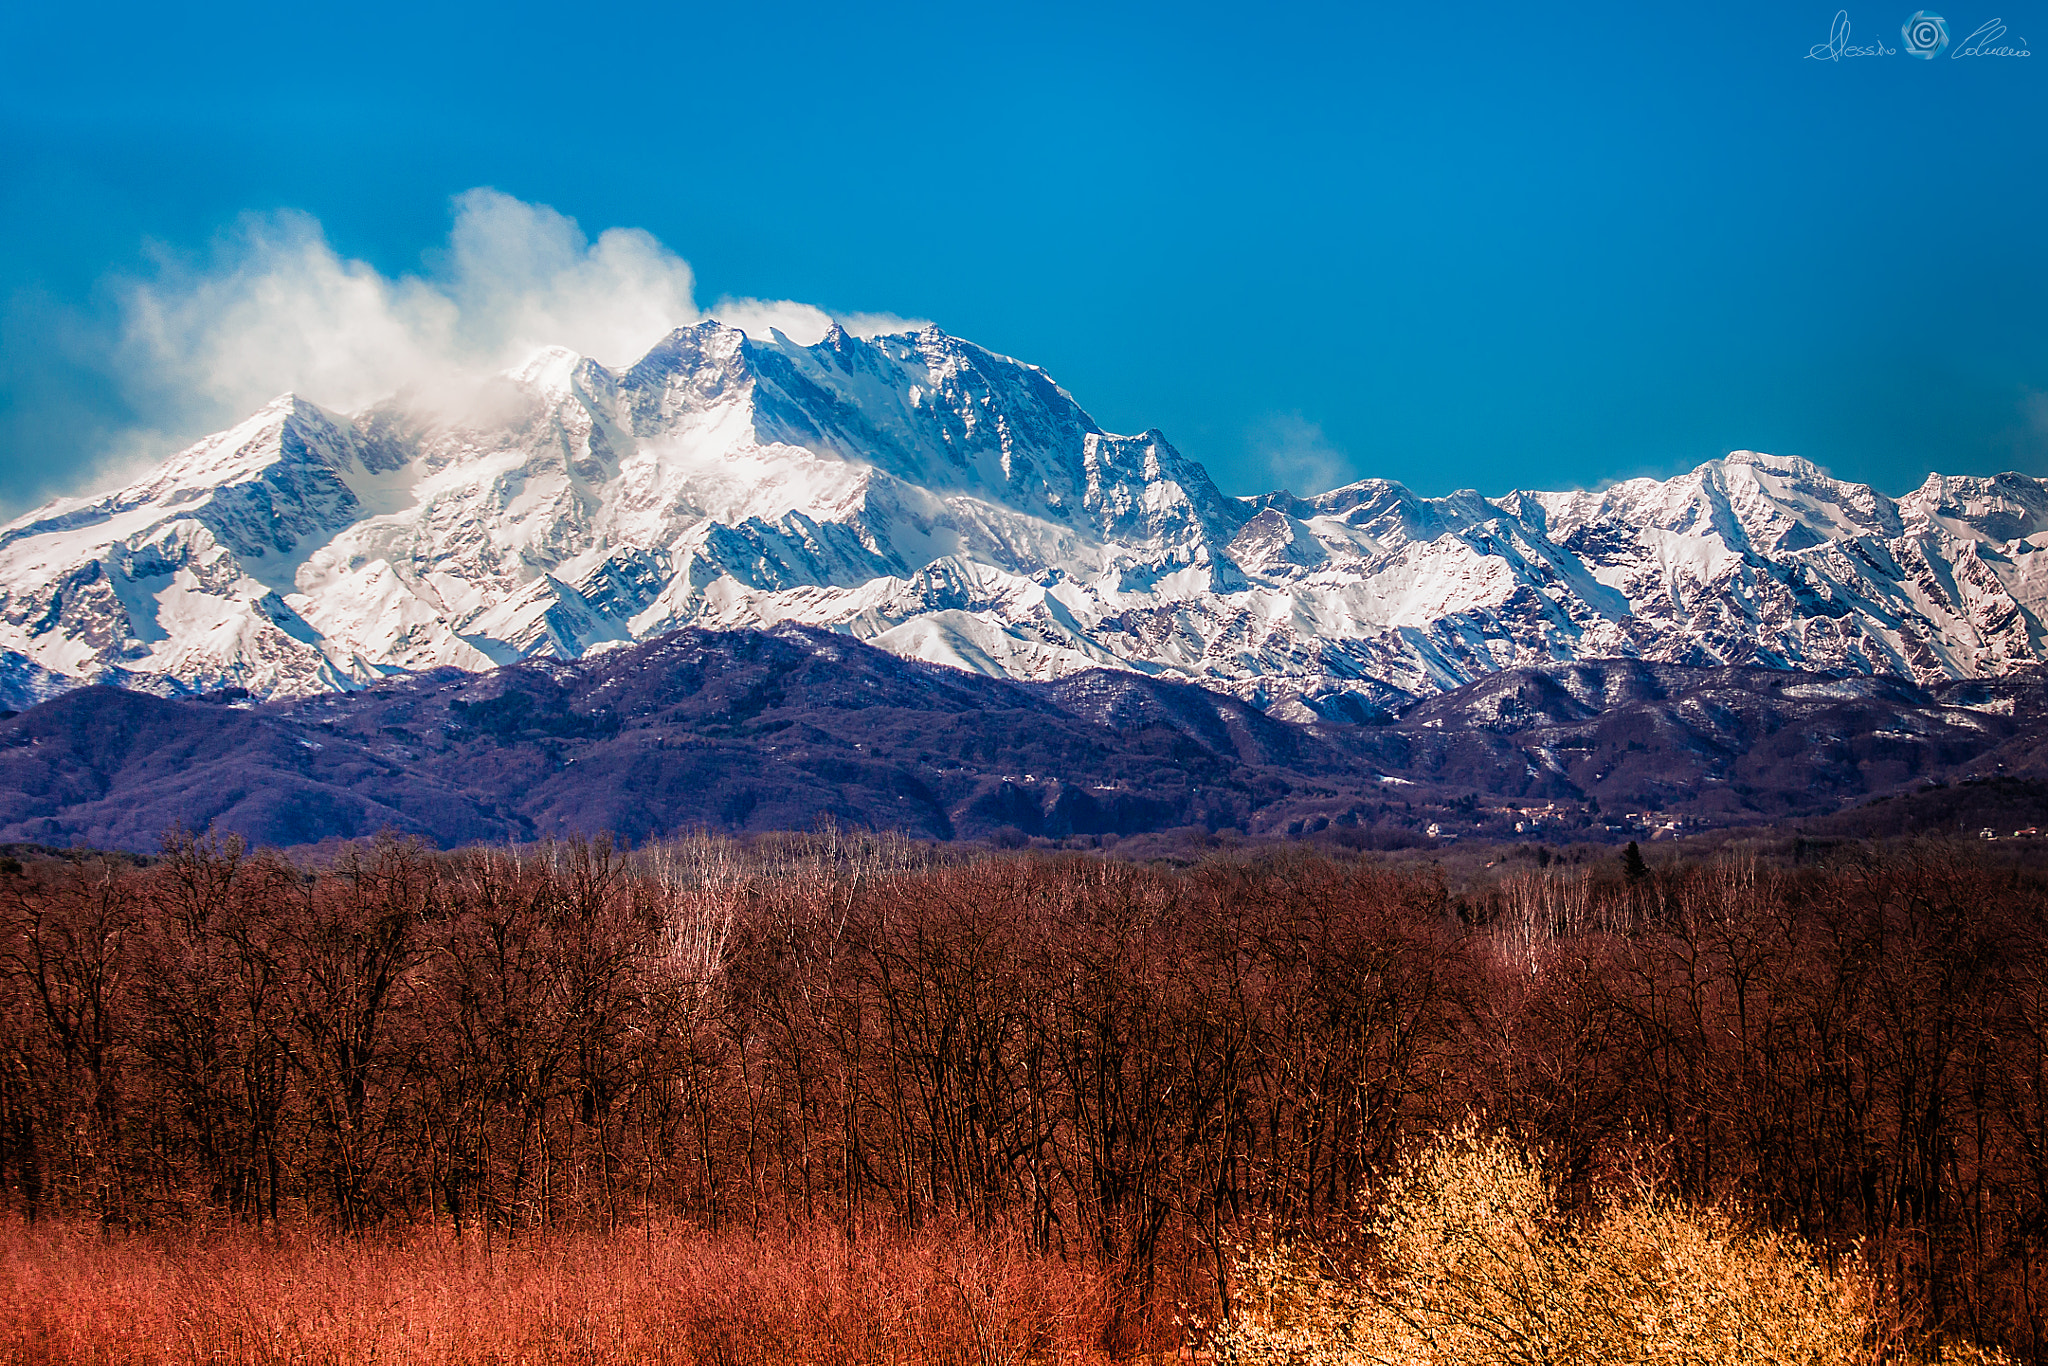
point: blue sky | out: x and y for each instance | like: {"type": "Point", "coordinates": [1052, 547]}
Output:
{"type": "Point", "coordinates": [1503, 246]}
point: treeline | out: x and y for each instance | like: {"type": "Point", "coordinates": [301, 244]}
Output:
{"type": "Point", "coordinates": [1131, 1066]}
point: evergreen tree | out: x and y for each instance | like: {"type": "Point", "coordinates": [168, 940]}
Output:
{"type": "Point", "coordinates": [1632, 865]}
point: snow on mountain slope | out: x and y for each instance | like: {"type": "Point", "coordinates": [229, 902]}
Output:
{"type": "Point", "coordinates": [957, 506]}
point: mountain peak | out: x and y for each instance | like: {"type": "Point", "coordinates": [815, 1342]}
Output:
{"type": "Point", "coordinates": [1768, 461]}
{"type": "Point", "coordinates": [549, 367]}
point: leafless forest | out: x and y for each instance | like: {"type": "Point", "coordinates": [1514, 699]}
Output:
{"type": "Point", "coordinates": [1049, 1100]}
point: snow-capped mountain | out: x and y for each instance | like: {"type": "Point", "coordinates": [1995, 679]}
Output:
{"type": "Point", "coordinates": [953, 505]}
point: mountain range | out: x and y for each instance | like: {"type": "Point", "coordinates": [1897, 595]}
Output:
{"type": "Point", "coordinates": [946, 504]}
{"type": "Point", "coordinates": [753, 730]}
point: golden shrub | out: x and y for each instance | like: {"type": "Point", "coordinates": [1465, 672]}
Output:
{"type": "Point", "coordinates": [1473, 1261]}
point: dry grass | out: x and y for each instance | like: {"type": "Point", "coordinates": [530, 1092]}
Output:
{"type": "Point", "coordinates": [69, 1295]}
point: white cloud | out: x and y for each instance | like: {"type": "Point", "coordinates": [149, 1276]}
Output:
{"type": "Point", "coordinates": [523, 276]}
{"type": "Point", "coordinates": [1298, 456]}
{"type": "Point", "coordinates": [276, 308]}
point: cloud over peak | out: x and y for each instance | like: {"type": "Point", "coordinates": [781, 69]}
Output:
{"type": "Point", "coordinates": [274, 307]}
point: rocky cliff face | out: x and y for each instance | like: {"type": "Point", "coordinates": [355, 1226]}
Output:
{"type": "Point", "coordinates": [952, 505]}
